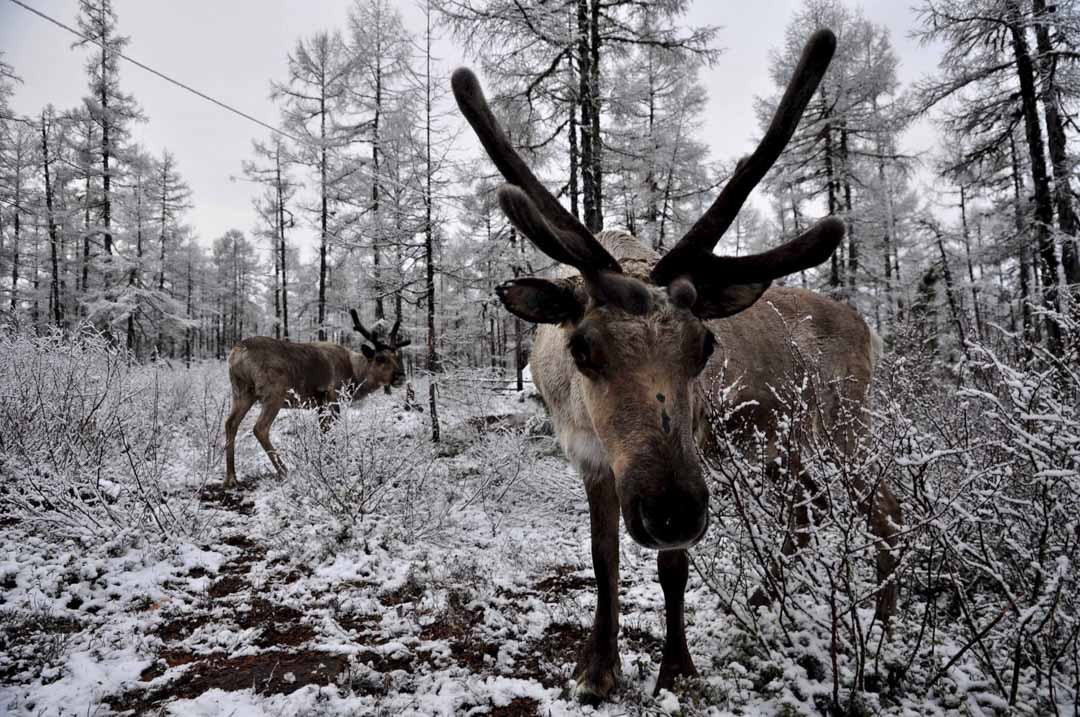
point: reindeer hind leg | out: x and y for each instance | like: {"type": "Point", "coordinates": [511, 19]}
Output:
{"type": "Point", "coordinates": [241, 404]}
{"type": "Point", "coordinates": [270, 407]}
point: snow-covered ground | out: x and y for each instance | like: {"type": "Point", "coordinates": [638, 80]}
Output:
{"type": "Point", "coordinates": [388, 576]}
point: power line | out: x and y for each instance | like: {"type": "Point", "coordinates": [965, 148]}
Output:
{"type": "Point", "coordinates": [162, 75]}
{"type": "Point", "coordinates": [310, 142]}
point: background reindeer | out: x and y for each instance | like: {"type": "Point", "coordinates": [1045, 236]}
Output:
{"type": "Point", "coordinates": [281, 374]}
{"type": "Point", "coordinates": [632, 343]}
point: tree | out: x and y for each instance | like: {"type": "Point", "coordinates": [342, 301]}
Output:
{"type": "Point", "coordinates": [316, 94]}
{"type": "Point", "coordinates": [379, 46]}
{"type": "Point", "coordinates": [992, 86]}
{"type": "Point", "coordinates": [554, 63]}
{"type": "Point", "coordinates": [848, 133]}
{"type": "Point", "coordinates": [273, 208]}
{"type": "Point", "coordinates": [110, 109]}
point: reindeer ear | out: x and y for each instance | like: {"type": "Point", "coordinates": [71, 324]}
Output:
{"type": "Point", "coordinates": [540, 301]}
{"type": "Point", "coordinates": [368, 352]}
{"type": "Point", "coordinates": [721, 285]}
{"type": "Point", "coordinates": [716, 302]}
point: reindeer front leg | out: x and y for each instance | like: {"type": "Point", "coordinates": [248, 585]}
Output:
{"type": "Point", "coordinates": [598, 669]}
{"type": "Point", "coordinates": [674, 569]}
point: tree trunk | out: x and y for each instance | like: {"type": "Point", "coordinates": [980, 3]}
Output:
{"type": "Point", "coordinates": [1044, 213]}
{"type": "Point", "coordinates": [323, 213]}
{"type": "Point", "coordinates": [1057, 145]}
{"type": "Point", "coordinates": [281, 243]}
{"type": "Point", "coordinates": [853, 247]}
{"type": "Point", "coordinates": [835, 275]}
{"type": "Point", "coordinates": [594, 118]}
{"type": "Point", "coordinates": [1018, 218]}
{"type": "Point", "coordinates": [429, 241]}
{"type": "Point", "coordinates": [575, 156]}
{"type": "Point", "coordinates": [54, 259]}
{"type": "Point", "coordinates": [970, 267]}
{"type": "Point", "coordinates": [17, 222]}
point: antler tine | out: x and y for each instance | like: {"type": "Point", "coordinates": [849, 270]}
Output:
{"type": "Point", "coordinates": [707, 231]}
{"type": "Point", "coordinates": [573, 244]}
{"type": "Point", "coordinates": [364, 332]}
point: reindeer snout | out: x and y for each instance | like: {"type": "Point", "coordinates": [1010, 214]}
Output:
{"type": "Point", "coordinates": [676, 518]}
{"type": "Point", "coordinates": [665, 509]}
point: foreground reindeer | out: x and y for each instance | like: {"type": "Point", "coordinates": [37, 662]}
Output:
{"type": "Point", "coordinates": [633, 344]}
{"type": "Point", "coordinates": [281, 374]}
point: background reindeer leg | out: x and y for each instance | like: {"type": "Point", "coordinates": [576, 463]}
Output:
{"type": "Point", "coordinates": [598, 668]}
{"type": "Point", "coordinates": [271, 404]}
{"type": "Point", "coordinates": [885, 522]}
{"type": "Point", "coordinates": [241, 404]}
{"type": "Point", "coordinates": [674, 569]}
{"type": "Point", "coordinates": [807, 501]}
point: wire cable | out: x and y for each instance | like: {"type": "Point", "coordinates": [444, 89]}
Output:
{"type": "Point", "coordinates": [162, 75]}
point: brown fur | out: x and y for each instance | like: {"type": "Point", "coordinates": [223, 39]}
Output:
{"type": "Point", "coordinates": [635, 432]}
{"type": "Point", "coordinates": [282, 374]}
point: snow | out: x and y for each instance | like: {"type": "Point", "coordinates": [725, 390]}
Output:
{"type": "Point", "coordinates": [466, 588]}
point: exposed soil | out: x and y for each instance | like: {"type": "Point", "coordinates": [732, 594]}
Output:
{"type": "Point", "coordinates": [280, 625]}
{"type": "Point", "coordinates": [564, 581]}
{"type": "Point", "coordinates": [518, 707]}
{"type": "Point", "coordinates": [268, 673]}
{"type": "Point", "coordinates": [227, 585]}
{"type": "Point", "coordinates": [549, 659]}
{"type": "Point", "coordinates": [181, 627]}
{"type": "Point", "coordinates": [233, 500]}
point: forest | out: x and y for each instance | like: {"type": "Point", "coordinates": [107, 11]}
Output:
{"type": "Point", "coordinates": [428, 551]}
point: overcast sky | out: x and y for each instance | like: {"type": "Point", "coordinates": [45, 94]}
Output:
{"type": "Point", "coordinates": [232, 49]}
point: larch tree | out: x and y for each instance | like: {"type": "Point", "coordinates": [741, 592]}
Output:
{"type": "Point", "coordinates": [109, 108]}
{"type": "Point", "coordinates": [314, 100]}
{"type": "Point", "coordinates": [989, 83]}
{"type": "Point", "coordinates": [845, 134]}
{"type": "Point", "coordinates": [557, 62]}
{"type": "Point", "coordinates": [271, 169]}
{"type": "Point", "coordinates": [380, 48]}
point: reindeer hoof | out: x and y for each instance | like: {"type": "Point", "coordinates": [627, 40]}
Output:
{"type": "Point", "coordinates": [594, 689]}
{"type": "Point", "coordinates": [673, 668]}
{"type": "Point", "coordinates": [596, 678]}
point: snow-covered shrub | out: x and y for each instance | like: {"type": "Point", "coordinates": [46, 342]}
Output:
{"type": "Point", "coordinates": [352, 473]}
{"type": "Point", "coordinates": [985, 459]}
{"type": "Point", "coordinates": [992, 469]}
{"type": "Point", "coordinates": [824, 591]}
{"type": "Point", "coordinates": [91, 443]}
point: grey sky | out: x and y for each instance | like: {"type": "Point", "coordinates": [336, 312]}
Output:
{"type": "Point", "coordinates": [232, 49]}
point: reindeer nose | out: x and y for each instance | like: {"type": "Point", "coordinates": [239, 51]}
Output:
{"type": "Point", "coordinates": [677, 518]}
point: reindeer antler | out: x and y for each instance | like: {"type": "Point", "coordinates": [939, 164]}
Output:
{"type": "Point", "coordinates": [393, 345]}
{"type": "Point", "coordinates": [529, 205]}
{"type": "Point", "coordinates": [700, 240]}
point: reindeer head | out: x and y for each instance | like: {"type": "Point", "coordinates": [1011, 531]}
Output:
{"type": "Point", "coordinates": [377, 365]}
{"type": "Point", "coordinates": [638, 343]}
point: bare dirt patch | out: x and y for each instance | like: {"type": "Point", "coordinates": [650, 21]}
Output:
{"type": "Point", "coordinates": [270, 673]}
{"type": "Point", "coordinates": [227, 585]}
{"type": "Point", "coordinates": [180, 627]}
{"type": "Point", "coordinates": [231, 500]}
{"type": "Point", "coordinates": [357, 623]}
{"type": "Point", "coordinates": [549, 659]}
{"type": "Point", "coordinates": [280, 625]}
{"type": "Point", "coordinates": [518, 707]}
{"type": "Point", "coordinates": [564, 581]}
